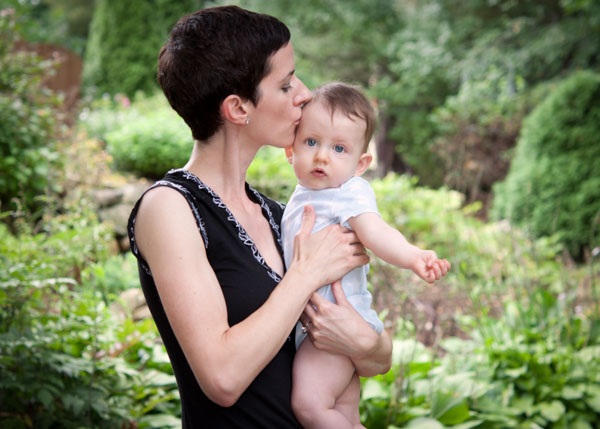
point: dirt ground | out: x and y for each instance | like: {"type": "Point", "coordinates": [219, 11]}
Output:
{"type": "Point", "coordinates": [432, 308]}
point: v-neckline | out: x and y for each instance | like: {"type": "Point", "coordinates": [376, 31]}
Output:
{"type": "Point", "coordinates": [243, 235]}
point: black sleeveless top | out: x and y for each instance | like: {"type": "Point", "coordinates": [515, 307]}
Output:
{"type": "Point", "coordinates": [246, 281]}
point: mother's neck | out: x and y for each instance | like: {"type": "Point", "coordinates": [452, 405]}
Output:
{"type": "Point", "coordinates": [222, 162]}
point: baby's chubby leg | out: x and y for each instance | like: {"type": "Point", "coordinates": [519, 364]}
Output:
{"type": "Point", "coordinates": [348, 402]}
{"type": "Point", "coordinates": [320, 379]}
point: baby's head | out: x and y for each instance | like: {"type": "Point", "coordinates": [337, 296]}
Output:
{"type": "Point", "coordinates": [333, 136]}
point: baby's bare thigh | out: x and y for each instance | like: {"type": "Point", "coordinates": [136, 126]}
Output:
{"type": "Point", "coordinates": [324, 376]}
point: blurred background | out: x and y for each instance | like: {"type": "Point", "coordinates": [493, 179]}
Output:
{"type": "Point", "coordinates": [487, 150]}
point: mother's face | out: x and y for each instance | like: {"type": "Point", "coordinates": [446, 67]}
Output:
{"type": "Point", "coordinates": [274, 119]}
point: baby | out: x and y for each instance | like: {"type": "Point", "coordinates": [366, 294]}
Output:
{"type": "Point", "coordinates": [329, 156]}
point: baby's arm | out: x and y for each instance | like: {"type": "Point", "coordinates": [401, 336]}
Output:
{"type": "Point", "coordinates": [390, 245]}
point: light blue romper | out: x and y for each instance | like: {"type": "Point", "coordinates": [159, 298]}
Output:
{"type": "Point", "coordinates": [333, 205]}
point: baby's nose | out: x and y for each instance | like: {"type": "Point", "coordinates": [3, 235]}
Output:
{"type": "Point", "coordinates": [322, 155]}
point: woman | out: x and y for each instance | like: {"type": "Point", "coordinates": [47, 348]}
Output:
{"type": "Point", "coordinates": [208, 245]}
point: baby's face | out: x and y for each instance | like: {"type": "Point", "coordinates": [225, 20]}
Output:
{"type": "Point", "coordinates": [328, 150]}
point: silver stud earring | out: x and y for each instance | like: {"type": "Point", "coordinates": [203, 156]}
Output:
{"type": "Point", "coordinates": [247, 121]}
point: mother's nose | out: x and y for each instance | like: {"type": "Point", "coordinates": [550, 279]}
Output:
{"type": "Point", "coordinates": [302, 95]}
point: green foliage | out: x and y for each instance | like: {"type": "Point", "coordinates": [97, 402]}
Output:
{"type": "Point", "coordinates": [553, 186]}
{"type": "Point", "coordinates": [146, 138]}
{"type": "Point", "coordinates": [65, 360]}
{"type": "Point", "coordinates": [124, 41]}
{"type": "Point", "coordinates": [48, 331]}
{"type": "Point", "coordinates": [27, 146]}
{"type": "Point", "coordinates": [544, 364]}
{"type": "Point", "coordinates": [535, 366]}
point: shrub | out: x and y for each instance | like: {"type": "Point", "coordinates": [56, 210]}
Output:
{"type": "Point", "coordinates": [146, 138]}
{"type": "Point", "coordinates": [49, 330]}
{"type": "Point", "coordinates": [65, 360]}
{"type": "Point", "coordinates": [553, 185]}
{"type": "Point", "coordinates": [27, 146]}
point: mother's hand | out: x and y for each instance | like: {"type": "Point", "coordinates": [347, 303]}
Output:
{"type": "Point", "coordinates": [327, 254]}
{"type": "Point", "coordinates": [338, 328]}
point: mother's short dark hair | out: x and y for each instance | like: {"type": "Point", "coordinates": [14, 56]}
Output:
{"type": "Point", "coordinates": [213, 53]}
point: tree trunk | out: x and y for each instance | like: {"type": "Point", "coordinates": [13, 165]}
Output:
{"type": "Point", "coordinates": [385, 148]}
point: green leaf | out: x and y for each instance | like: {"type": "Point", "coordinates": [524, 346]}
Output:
{"type": "Point", "coordinates": [157, 378]}
{"type": "Point", "coordinates": [524, 404]}
{"type": "Point", "coordinates": [374, 389]}
{"type": "Point", "coordinates": [594, 403]}
{"type": "Point", "coordinates": [456, 414]}
{"type": "Point", "coordinates": [580, 424]}
{"type": "Point", "coordinates": [569, 392]}
{"type": "Point", "coordinates": [442, 402]}
{"type": "Point", "coordinates": [552, 410]}
{"type": "Point", "coordinates": [424, 423]}
{"type": "Point", "coordinates": [468, 425]}
{"type": "Point", "coordinates": [516, 372]}
{"type": "Point", "coordinates": [159, 421]}
{"type": "Point", "coordinates": [45, 397]}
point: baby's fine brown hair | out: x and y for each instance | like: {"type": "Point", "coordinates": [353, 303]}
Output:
{"type": "Point", "coordinates": [350, 100]}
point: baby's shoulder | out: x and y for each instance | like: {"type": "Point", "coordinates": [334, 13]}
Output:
{"type": "Point", "coordinates": [356, 185]}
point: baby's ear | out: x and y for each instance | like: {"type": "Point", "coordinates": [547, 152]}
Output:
{"type": "Point", "coordinates": [288, 154]}
{"type": "Point", "coordinates": [363, 163]}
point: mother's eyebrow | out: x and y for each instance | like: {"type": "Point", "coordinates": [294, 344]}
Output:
{"type": "Point", "coordinates": [290, 74]}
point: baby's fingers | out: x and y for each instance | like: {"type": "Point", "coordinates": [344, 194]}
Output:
{"type": "Point", "coordinates": [445, 266]}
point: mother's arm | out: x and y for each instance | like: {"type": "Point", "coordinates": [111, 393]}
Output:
{"type": "Point", "coordinates": [339, 328]}
{"type": "Point", "coordinates": [226, 359]}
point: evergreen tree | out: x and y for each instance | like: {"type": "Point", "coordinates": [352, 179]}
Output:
{"type": "Point", "coordinates": [124, 40]}
{"type": "Point", "coordinates": [553, 186]}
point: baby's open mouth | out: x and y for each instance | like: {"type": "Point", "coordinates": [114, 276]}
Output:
{"type": "Point", "coordinates": [319, 172]}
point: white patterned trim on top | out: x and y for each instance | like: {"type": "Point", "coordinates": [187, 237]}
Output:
{"type": "Point", "coordinates": [242, 234]}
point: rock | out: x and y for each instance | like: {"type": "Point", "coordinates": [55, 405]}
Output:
{"type": "Point", "coordinates": [131, 303]}
{"type": "Point", "coordinates": [108, 197]}
{"type": "Point", "coordinates": [117, 216]}
{"type": "Point", "coordinates": [133, 191]}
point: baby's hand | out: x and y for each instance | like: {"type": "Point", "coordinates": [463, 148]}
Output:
{"type": "Point", "coordinates": [429, 267]}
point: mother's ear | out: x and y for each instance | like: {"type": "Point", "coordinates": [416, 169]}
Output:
{"type": "Point", "coordinates": [234, 109]}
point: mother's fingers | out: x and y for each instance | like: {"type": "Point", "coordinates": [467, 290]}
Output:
{"type": "Point", "coordinates": [350, 235]}
{"type": "Point", "coordinates": [308, 221]}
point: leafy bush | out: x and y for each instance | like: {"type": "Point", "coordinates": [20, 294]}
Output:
{"type": "Point", "coordinates": [49, 330]}
{"type": "Point", "coordinates": [146, 138]}
{"type": "Point", "coordinates": [27, 155]}
{"type": "Point", "coordinates": [553, 185]}
{"type": "Point", "coordinates": [65, 360]}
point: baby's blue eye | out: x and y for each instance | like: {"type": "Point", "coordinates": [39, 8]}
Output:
{"type": "Point", "coordinates": [338, 148]}
{"type": "Point", "coordinates": [311, 142]}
